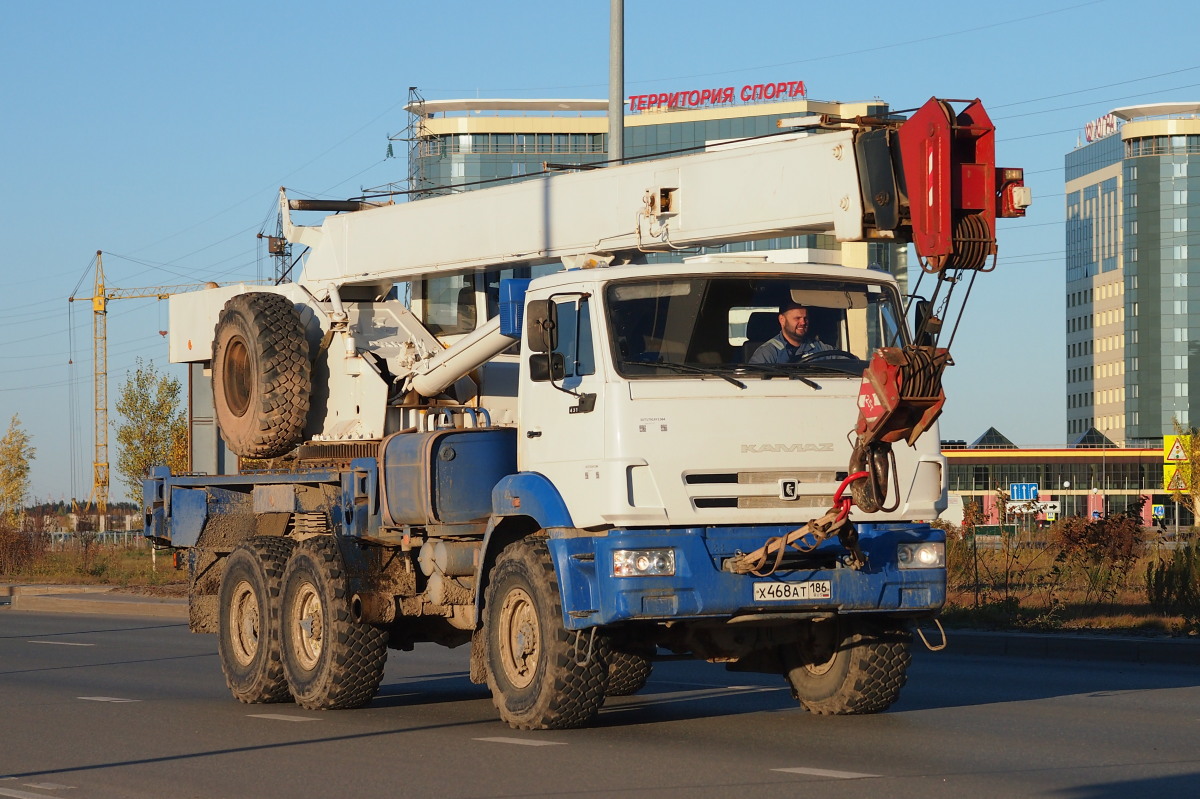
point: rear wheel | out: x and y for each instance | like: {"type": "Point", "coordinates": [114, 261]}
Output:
{"type": "Point", "coordinates": [248, 620]}
{"type": "Point", "coordinates": [849, 667]}
{"type": "Point", "coordinates": [542, 675]}
{"type": "Point", "coordinates": [262, 377]}
{"type": "Point", "coordinates": [331, 661]}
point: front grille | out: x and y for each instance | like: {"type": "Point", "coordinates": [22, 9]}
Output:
{"type": "Point", "coordinates": [758, 489]}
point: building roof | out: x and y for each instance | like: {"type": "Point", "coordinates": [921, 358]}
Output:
{"type": "Point", "coordinates": [1052, 455]}
{"type": "Point", "coordinates": [1131, 112]}
{"type": "Point", "coordinates": [480, 105]}
{"type": "Point", "coordinates": [993, 439]}
{"type": "Point", "coordinates": [1093, 439]}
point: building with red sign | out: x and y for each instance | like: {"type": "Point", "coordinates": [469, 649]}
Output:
{"type": "Point", "coordinates": [458, 145]}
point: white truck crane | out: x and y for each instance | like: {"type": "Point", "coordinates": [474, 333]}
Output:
{"type": "Point", "coordinates": [564, 456]}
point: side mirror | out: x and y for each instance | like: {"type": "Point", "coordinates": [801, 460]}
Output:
{"type": "Point", "coordinates": [541, 326]}
{"type": "Point", "coordinates": [547, 366]}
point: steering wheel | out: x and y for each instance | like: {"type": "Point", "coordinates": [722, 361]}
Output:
{"type": "Point", "coordinates": [822, 354]}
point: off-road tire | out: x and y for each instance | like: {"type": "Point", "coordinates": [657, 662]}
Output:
{"type": "Point", "coordinates": [862, 674]}
{"type": "Point", "coordinates": [261, 375]}
{"type": "Point", "coordinates": [542, 675]}
{"type": "Point", "coordinates": [627, 673]}
{"type": "Point", "coordinates": [248, 625]}
{"type": "Point", "coordinates": [331, 661]}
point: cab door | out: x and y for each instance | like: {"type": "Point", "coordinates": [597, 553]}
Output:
{"type": "Point", "coordinates": [561, 400]}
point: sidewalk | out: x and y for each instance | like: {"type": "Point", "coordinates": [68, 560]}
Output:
{"type": "Point", "coordinates": [98, 599]}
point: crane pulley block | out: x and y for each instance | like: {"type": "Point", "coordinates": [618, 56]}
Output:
{"type": "Point", "coordinates": [901, 394]}
{"type": "Point", "coordinates": [954, 189]}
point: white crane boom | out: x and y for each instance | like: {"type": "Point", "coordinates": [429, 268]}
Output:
{"type": "Point", "coordinates": [787, 185]}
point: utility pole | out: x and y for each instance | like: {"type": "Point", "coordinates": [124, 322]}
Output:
{"type": "Point", "coordinates": [616, 82]}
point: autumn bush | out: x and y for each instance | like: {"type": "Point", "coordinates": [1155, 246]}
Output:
{"type": "Point", "coordinates": [1173, 583]}
{"type": "Point", "coordinates": [17, 549]}
{"type": "Point", "coordinates": [1104, 551]}
{"type": "Point", "coordinates": [1077, 574]}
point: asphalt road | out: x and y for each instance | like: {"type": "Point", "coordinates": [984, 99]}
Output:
{"type": "Point", "coordinates": [94, 706]}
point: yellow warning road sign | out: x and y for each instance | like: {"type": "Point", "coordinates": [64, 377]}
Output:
{"type": "Point", "coordinates": [1176, 448]}
{"type": "Point", "coordinates": [1176, 478]}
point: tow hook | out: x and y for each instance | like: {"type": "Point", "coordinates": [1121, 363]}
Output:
{"type": "Point", "coordinates": [924, 640]}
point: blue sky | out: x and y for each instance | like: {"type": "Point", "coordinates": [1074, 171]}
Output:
{"type": "Point", "coordinates": [160, 132]}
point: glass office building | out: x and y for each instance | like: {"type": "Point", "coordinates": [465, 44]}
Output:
{"type": "Point", "coordinates": [459, 145]}
{"type": "Point", "coordinates": [1131, 320]}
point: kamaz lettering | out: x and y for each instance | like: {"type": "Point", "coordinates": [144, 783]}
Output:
{"type": "Point", "coordinates": [757, 448]}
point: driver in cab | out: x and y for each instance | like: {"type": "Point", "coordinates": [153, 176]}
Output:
{"type": "Point", "coordinates": [794, 340]}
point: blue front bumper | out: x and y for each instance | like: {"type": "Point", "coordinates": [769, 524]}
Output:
{"type": "Point", "coordinates": [701, 589]}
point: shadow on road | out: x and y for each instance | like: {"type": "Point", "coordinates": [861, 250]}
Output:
{"type": "Point", "coordinates": [1182, 785]}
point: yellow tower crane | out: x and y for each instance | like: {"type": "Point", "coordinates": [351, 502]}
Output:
{"type": "Point", "coordinates": [101, 296]}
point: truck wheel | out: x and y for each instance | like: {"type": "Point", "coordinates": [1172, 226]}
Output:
{"type": "Point", "coordinates": [248, 620]}
{"type": "Point", "coordinates": [262, 377]}
{"type": "Point", "coordinates": [331, 661]}
{"type": "Point", "coordinates": [542, 675]}
{"type": "Point", "coordinates": [848, 668]}
{"type": "Point", "coordinates": [627, 673]}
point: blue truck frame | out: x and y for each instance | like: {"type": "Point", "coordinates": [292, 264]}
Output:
{"type": "Point", "coordinates": [179, 507]}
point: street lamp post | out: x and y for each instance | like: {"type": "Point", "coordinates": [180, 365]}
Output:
{"type": "Point", "coordinates": [1103, 471]}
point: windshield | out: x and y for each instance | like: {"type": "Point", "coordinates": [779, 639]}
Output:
{"type": "Point", "coordinates": [752, 324]}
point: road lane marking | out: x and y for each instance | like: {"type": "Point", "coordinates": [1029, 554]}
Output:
{"type": "Point", "coordinates": [47, 786]}
{"type": "Point", "coordinates": [822, 772]}
{"type": "Point", "coordinates": [106, 699]}
{"type": "Point", "coordinates": [522, 741]}
{"type": "Point", "coordinates": [279, 717]}
{"type": "Point", "coordinates": [61, 643]}
{"type": "Point", "coordinates": [22, 794]}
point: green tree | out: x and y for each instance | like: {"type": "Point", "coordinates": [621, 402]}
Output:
{"type": "Point", "coordinates": [153, 427]}
{"type": "Point", "coordinates": [15, 457]}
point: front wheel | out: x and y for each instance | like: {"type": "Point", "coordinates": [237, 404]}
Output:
{"type": "Point", "coordinates": [542, 675]}
{"type": "Point", "coordinates": [843, 668]}
{"type": "Point", "coordinates": [332, 662]}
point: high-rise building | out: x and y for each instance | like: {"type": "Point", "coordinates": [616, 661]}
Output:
{"type": "Point", "coordinates": [1129, 277]}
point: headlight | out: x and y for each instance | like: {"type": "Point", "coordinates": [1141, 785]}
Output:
{"type": "Point", "coordinates": [643, 562]}
{"type": "Point", "coordinates": [930, 555]}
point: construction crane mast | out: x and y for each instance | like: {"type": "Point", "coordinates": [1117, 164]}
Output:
{"type": "Point", "coordinates": [101, 296]}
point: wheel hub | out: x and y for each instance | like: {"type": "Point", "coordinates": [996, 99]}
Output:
{"type": "Point", "coordinates": [236, 376]}
{"type": "Point", "coordinates": [307, 627]}
{"type": "Point", "coordinates": [520, 638]}
{"type": "Point", "coordinates": [244, 630]}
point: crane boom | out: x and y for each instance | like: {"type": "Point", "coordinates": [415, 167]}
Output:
{"type": "Point", "coordinates": [761, 190]}
{"type": "Point", "coordinates": [853, 178]}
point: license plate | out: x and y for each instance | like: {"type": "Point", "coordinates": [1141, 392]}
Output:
{"type": "Point", "coordinates": [791, 592]}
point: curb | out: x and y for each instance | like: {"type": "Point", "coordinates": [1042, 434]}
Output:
{"type": "Point", "coordinates": [94, 599]}
{"type": "Point", "coordinates": [1115, 648]}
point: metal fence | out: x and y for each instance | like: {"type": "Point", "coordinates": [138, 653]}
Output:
{"type": "Point", "coordinates": [63, 539]}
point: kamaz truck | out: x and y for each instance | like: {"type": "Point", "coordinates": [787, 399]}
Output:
{"type": "Point", "coordinates": [558, 450]}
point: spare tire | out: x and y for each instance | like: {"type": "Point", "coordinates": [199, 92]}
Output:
{"type": "Point", "coordinates": [261, 375]}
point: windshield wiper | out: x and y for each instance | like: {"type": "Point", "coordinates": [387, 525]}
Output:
{"type": "Point", "coordinates": [688, 369]}
{"type": "Point", "coordinates": [769, 370]}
